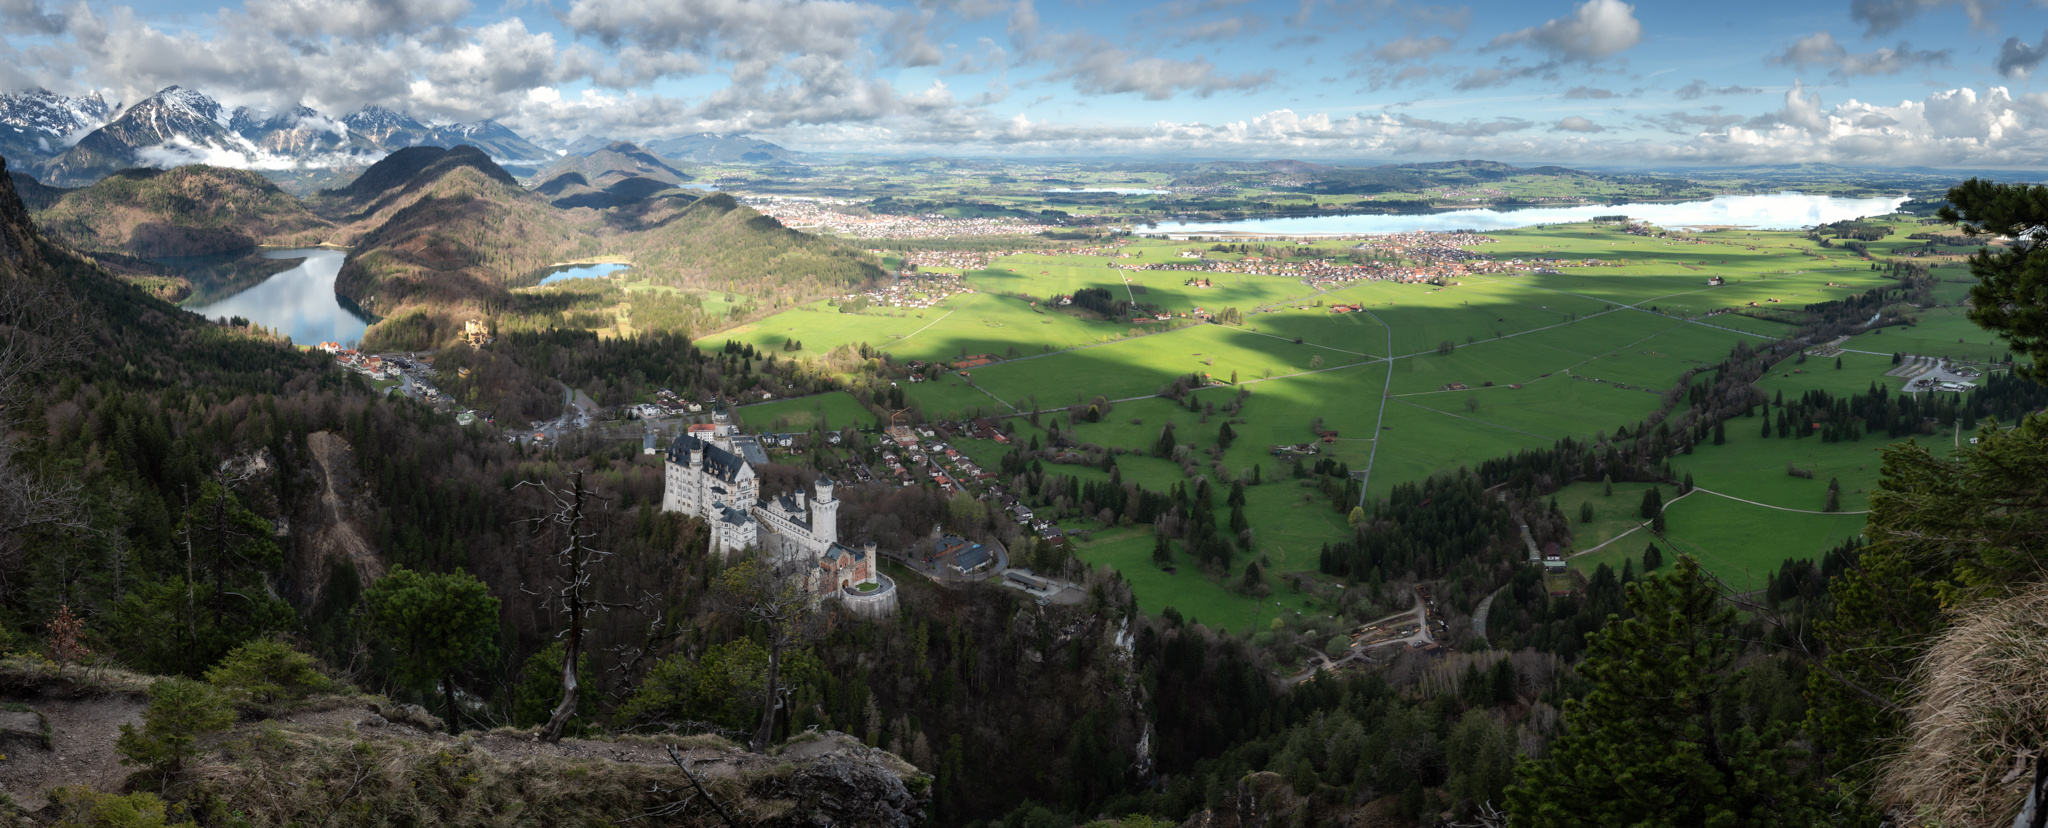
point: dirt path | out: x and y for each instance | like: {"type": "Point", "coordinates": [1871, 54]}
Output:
{"type": "Point", "coordinates": [82, 734]}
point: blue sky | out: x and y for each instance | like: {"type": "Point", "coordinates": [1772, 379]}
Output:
{"type": "Point", "coordinates": [1885, 82]}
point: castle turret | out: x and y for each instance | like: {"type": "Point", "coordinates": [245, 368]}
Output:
{"type": "Point", "coordinates": [825, 513]}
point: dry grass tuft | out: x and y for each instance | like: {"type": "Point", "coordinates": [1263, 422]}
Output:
{"type": "Point", "coordinates": [31, 672]}
{"type": "Point", "coordinates": [1981, 715]}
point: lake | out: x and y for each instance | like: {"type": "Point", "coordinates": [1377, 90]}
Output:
{"type": "Point", "coordinates": [1776, 211]}
{"type": "Point", "coordinates": [578, 271]}
{"type": "Point", "coordinates": [299, 302]}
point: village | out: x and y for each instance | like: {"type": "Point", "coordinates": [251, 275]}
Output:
{"type": "Point", "coordinates": [1412, 258]}
{"type": "Point", "coordinates": [819, 214]}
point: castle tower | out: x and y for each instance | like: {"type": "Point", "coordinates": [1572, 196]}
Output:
{"type": "Point", "coordinates": [825, 513]}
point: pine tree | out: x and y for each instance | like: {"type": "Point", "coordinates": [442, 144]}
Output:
{"type": "Point", "coordinates": [1643, 746]}
{"type": "Point", "coordinates": [437, 622]}
{"type": "Point", "coordinates": [1162, 549]}
{"type": "Point", "coordinates": [1586, 512]}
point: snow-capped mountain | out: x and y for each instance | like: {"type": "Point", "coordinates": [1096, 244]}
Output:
{"type": "Point", "coordinates": [300, 133]}
{"type": "Point", "coordinates": [388, 130]}
{"type": "Point", "coordinates": [174, 127]}
{"type": "Point", "coordinates": [385, 129]}
{"type": "Point", "coordinates": [179, 126]}
{"type": "Point", "coordinates": [507, 148]}
{"type": "Point", "coordinates": [38, 123]}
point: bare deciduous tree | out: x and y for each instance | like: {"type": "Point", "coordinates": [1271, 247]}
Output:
{"type": "Point", "coordinates": [568, 536]}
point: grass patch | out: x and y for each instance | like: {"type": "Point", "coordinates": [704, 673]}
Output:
{"type": "Point", "coordinates": [1188, 590]}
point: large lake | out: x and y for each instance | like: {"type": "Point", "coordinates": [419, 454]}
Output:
{"type": "Point", "coordinates": [1778, 211]}
{"type": "Point", "coordinates": [299, 302]}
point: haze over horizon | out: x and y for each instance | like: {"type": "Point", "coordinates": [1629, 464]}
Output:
{"type": "Point", "coordinates": [1868, 82]}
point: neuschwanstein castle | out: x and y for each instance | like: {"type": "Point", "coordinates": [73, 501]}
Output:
{"type": "Point", "coordinates": [707, 478]}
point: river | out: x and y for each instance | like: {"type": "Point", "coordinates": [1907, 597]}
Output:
{"type": "Point", "coordinates": [1776, 211]}
{"type": "Point", "coordinates": [299, 302]}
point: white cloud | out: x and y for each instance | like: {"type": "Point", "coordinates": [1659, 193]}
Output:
{"type": "Point", "coordinates": [1597, 29]}
{"type": "Point", "coordinates": [1412, 48]}
{"type": "Point", "coordinates": [1820, 50]}
{"type": "Point", "coordinates": [1577, 124]}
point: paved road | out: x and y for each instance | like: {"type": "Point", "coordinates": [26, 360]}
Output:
{"type": "Point", "coordinates": [1479, 613]}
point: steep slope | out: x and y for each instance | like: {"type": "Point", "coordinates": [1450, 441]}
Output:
{"type": "Point", "coordinates": [21, 247]}
{"type": "Point", "coordinates": [187, 211]}
{"type": "Point", "coordinates": [37, 195]}
{"type": "Point", "coordinates": [174, 126]}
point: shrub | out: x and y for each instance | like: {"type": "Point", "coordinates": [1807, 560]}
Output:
{"type": "Point", "coordinates": [180, 713]}
{"type": "Point", "coordinates": [83, 807]}
{"type": "Point", "coordinates": [265, 671]}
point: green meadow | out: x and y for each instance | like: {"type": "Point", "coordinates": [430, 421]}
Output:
{"type": "Point", "coordinates": [832, 411]}
{"type": "Point", "coordinates": [1541, 356]}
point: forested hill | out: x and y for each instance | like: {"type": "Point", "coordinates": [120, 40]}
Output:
{"type": "Point", "coordinates": [186, 211]}
{"type": "Point", "coordinates": [465, 230]}
{"type": "Point", "coordinates": [720, 244]}
{"type": "Point", "coordinates": [446, 239]}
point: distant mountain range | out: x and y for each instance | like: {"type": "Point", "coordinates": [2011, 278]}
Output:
{"type": "Point", "coordinates": [69, 141]}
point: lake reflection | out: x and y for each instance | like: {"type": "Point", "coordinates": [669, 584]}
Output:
{"type": "Point", "coordinates": [1777, 211]}
{"type": "Point", "coordinates": [299, 303]}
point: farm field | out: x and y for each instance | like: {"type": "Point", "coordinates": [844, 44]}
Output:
{"type": "Point", "coordinates": [1613, 515]}
{"type": "Point", "coordinates": [1739, 543]}
{"type": "Point", "coordinates": [1941, 332]}
{"type": "Point", "coordinates": [833, 411]}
